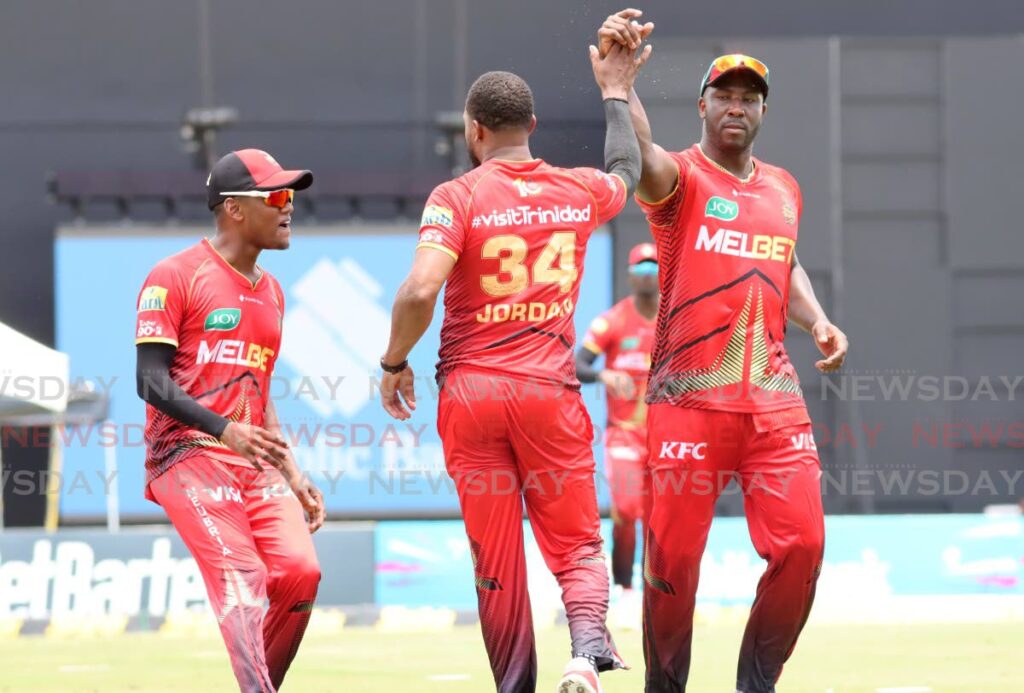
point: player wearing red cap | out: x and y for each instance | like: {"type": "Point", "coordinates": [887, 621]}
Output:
{"type": "Point", "coordinates": [724, 401]}
{"type": "Point", "coordinates": [624, 335]}
{"type": "Point", "coordinates": [508, 240]}
{"type": "Point", "coordinates": [208, 335]}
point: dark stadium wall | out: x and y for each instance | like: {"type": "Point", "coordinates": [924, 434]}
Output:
{"type": "Point", "coordinates": [921, 174]}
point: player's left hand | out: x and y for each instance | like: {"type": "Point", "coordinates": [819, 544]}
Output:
{"type": "Point", "coordinates": [396, 387]}
{"type": "Point", "coordinates": [312, 501]}
{"type": "Point", "coordinates": [832, 343]}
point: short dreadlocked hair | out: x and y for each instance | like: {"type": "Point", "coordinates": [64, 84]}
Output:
{"type": "Point", "coordinates": [500, 101]}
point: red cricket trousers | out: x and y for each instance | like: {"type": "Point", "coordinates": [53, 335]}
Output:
{"type": "Point", "coordinates": [694, 453]}
{"type": "Point", "coordinates": [507, 441]}
{"type": "Point", "coordinates": [248, 533]}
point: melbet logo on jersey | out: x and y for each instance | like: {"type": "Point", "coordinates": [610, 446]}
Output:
{"type": "Point", "coordinates": [223, 319]}
{"type": "Point", "coordinates": [234, 352]}
{"type": "Point", "coordinates": [153, 298]}
{"type": "Point", "coordinates": [721, 208]}
{"type": "Point", "coordinates": [526, 215]}
{"type": "Point", "coordinates": [740, 244]}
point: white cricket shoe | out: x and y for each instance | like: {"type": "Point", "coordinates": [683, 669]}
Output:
{"type": "Point", "coordinates": [579, 677]}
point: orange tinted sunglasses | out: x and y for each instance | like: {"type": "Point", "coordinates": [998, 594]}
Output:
{"type": "Point", "coordinates": [724, 63]}
{"type": "Point", "coordinates": [271, 198]}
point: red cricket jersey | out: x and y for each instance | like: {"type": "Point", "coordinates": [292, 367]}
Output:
{"type": "Point", "coordinates": [519, 232]}
{"type": "Point", "coordinates": [227, 331]}
{"type": "Point", "coordinates": [725, 251]}
{"type": "Point", "coordinates": [625, 338]}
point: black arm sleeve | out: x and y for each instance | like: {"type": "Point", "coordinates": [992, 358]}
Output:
{"type": "Point", "coordinates": [585, 370]}
{"type": "Point", "coordinates": [154, 385]}
{"type": "Point", "coordinates": [621, 148]}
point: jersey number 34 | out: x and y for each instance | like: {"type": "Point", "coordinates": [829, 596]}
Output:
{"type": "Point", "coordinates": [513, 276]}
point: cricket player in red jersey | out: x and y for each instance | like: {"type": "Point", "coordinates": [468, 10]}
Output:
{"type": "Point", "coordinates": [723, 398]}
{"type": "Point", "coordinates": [624, 334]}
{"type": "Point", "coordinates": [208, 336]}
{"type": "Point", "coordinates": [509, 239]}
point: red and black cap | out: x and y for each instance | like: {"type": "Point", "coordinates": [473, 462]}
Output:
{"type": "Point", "coordinates": [251, 169]}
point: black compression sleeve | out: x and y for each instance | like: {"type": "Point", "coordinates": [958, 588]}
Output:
{"type": "Point", "coordinates": [585, 370]}
{"type": "Point", "coordinates": [154, 385]}
{"type": "Point", "coordinates": [621, 148]}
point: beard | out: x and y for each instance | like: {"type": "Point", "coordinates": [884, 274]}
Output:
{"type": "Point", "coordinates": [748, 141]}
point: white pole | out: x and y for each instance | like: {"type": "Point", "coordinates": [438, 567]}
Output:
{"type": "Point", "coordinates": [110, 464]}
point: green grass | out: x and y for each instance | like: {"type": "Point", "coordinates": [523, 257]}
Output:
{"type": "Point", "coordinates": [972, 657]}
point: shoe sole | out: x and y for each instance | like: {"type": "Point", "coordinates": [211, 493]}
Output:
{"type": "Point", "coordinates": [575, 684]}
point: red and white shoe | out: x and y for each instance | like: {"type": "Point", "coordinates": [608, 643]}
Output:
{"type": "Point", "coordinates": [579, 677]}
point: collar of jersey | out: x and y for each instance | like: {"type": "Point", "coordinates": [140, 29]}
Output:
{"type": "Point", "coordinates": [723, 169]}
{"type": "Point", "coordinates": [517, 162]}
{"type": "Point", "coordinates": [253, 286]}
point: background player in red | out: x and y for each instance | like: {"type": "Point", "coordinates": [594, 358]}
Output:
{"type": "Point", "coordinates": [208, 335]}
{"type": "Point", "coordinates": [624, 334]}
{"type": "Point", "coordinates": [723, 399]}
{"type": "Point", "coordinates": [509, 238]}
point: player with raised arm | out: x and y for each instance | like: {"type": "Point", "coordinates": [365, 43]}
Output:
{"type": "Point", "coordinates": [208, 335]}
{"type": "Point", "coordinates": [723, 397]}
{"type": "Point", "coordinates": [508, 241]}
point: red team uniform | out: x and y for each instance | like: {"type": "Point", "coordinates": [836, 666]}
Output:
{"type": "Point", "coordinates": [625, 338]}
{"type": "Point", "coordinates": [244, 527]}
{"type": "Point", "coordinates": [724, 401]}
{"type": "Point", "coordinates": [510, 415]}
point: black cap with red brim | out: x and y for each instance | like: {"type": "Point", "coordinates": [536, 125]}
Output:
{"type": "Point", "coordinates": [251, 169]}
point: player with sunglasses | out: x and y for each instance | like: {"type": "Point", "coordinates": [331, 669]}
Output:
{"type": "Point", "coordinates": [208, 336]}
{"type": "Point", "coordinates": [723, 399]}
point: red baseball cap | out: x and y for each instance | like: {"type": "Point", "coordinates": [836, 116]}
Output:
{"type": "Point", "coordinates": [251, 169]}
{"type": "Point", "coordinates": [643, 253]}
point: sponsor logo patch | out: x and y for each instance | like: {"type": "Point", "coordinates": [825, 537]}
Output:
{"type": "Point", "coordinates": [721, 208]}
{"type": "Point", "coordinates": [526, 187]}
{"type": "Point", "coordinates": [153, 298]}
{"type": "Point", "coordinates": [435, 215]}
{"type": "Point", "coordinates": [148, 328]}
{"type": "Point", "coordinates": [223, 319]}
{"type": "Point", "coordinates": [672, 450]}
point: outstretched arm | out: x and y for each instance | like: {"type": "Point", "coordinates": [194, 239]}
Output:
{"type": "Point", "coordinates": [807, 313]}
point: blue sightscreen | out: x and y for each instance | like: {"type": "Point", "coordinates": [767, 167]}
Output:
{"type": "Point", "coordinates": [339, 288]}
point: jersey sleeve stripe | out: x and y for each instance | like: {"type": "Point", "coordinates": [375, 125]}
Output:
{"type": "Point", "coordinates": [593, 348]}
{"type": "Point", "coordinates": [156, 340]}
{"type": "Point", "coordinates": [675, 189]}
{"type": "Point", "coordinates": [437, 246]}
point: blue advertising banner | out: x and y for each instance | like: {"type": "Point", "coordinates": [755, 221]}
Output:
{"type": "Point", "coordinates": [339, 284]}
{"type": "Point", "coordinates": [869, 561]}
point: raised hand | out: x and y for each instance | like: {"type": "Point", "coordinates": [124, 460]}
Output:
{"type": "Point", "coordinates": [623, 29]}
{"type": "Point", "coordinates": [616, 71]}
